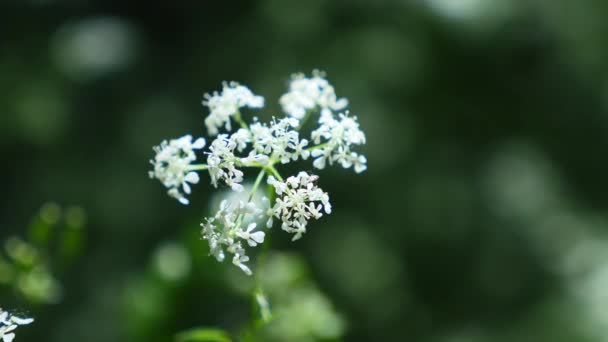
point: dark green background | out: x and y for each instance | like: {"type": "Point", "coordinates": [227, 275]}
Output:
{"type": "Point", "coordinates": [482, 214]}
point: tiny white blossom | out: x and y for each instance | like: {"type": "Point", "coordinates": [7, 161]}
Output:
{"type": "Point", "coordinates": [8, 324]}
{"type": "Point", "coordinates": [299, 200]}
{"type": "Point", "coordinates": [172, 165]}
{"type": "Point", "coordinates": [309, 93]}
{"type": "Point", "coordinates": [227, 103]}
{"type": "Point", "coordinates": [225, 233]}
{"type": "Point", "coordinates": [338, 136]}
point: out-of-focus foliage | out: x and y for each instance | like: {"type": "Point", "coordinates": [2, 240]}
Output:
{"type": "Point", "coordinates": [55, 238]}
{"type": "Point", "coordinates": [482, 216]}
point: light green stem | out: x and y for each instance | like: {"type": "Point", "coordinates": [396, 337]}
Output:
{"type": "Point", "coordinates": [270, 168]}
{"type": "Point", "coordinates": [316, 147]}
{"type": "Point", "coordinates": [258, 180]}
{"type": "Point", "coordinates": [237, 117]}
{"type": "Point", "coordinates": [195, 167]}
{"type": "Point", "coordinates": [304, 119]}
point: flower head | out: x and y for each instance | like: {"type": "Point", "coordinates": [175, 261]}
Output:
{"type": "Point", "coordinates": [226, 232]}
{"type": "Point", "coordinates": [338, 136]}
{"type": "Point", "coordinates": [299, 200]}
{"type": "Point", "coordinates": [172, 165]}
{"type": "Point", "coordinates": [309, 93]}
{"type": "Point", "coordinates": [227, 103]}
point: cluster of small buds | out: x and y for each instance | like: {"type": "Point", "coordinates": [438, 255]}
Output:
{"type": "Point", "coordinates": [172, 165]}
{"type": "Point", "coordinates": [263, 146]}
{"type": "Point", "coordinates": [8, 324]}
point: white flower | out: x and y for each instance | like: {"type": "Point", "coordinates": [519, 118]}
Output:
{"type": "Point", "coordinates": [309, 93]}
{"type": "Point", "coordinates": [227, 103]}
{"type": "Point", "coordinates": [299, 200]}
{"type": "Point", "coordinates": [252, 238]}
{"type": "Point", "coordinates": [8, 324]}
{"type": "Point", "coordinates": [225, 232]}
{"type": "Point", "coordinates": [221, 162]}
{"type": "Point", "coordinates": [280, 140]}
{"type": "Point", "coordinates": [237, 225]}
{"type": "Point", "coordinates": [337, 137]}
{"type": "Point", "coordinates": [172, 165]}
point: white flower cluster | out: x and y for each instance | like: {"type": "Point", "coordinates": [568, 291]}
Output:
{"type": "Point", "coordinates": [8, 324]}
{"type": "Point", "coordinates": [222, 106]}
{"type": "Point", "coordinates": [263, 146]}
{"type": "Point", "coordinates": [172, 165]}
{"type": "Point", "coordinates": [299, 200]}
{"type": "Point", "coordinates": [337, 137]}
{"type": "Point", "coordinates": [225, 231]}
{"type": "Point", "coordinates": [280, 140]}
{"type": "Point", "coordinates": [309, 93]}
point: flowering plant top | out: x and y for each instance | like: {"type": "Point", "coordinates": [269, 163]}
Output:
{"type": "Point", "coordinates": [297, 199]}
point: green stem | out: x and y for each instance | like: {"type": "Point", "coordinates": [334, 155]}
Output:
{"type": "Point", "coordinates": [258, 180]}
{"type": "Point", "coordinates": [304, 119]}
{"type": "Point", "coordinates": [270, 168]}
{"type": "Point", "coordinates": [195, 167]}
{"type": "Point", "coordinates": [237, 117]}
{"type": "Point", "coordinates": [316, 147]}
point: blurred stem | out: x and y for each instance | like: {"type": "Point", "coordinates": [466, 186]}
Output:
{"type": "Point", "coordinates": [237, 117]}
{"type": "Point", "coordinates": [258, 180]}
{"type": "Point", "coordinates": [304, 119]}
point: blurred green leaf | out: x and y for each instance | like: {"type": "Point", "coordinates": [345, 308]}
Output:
{"type": "Point", "coordinates": [203, 335]}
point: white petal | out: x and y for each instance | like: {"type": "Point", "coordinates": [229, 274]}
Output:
{"type": "Point", "coordinates": [186, 187]}
{"type": "Point", "coordinates": [251, 227]}
{"type": "Point", "coordinates": [199, 143]}
{"type": "Point", "coordinates": [244, 268]}
{"type": "Point", "coordinates": [8, 337]}
{"type": "Point", "coordinates": [319, 163]}
{"type": "Point", "coordinates": [192, 177]}
{"type": "Point", "coordinates": [340, 104]}
{"type": "Point", "coordinates": [257, 237]}
{"type": "Point", "coordinates": [21, 321]}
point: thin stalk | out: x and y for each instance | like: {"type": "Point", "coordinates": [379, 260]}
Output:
{"type": "Point", "coordinates": [195, 167]}
{"type": "Point", "coordinates": [270, 168]}
{"type": "Point", "coordinates": [316, 147]}
{"type": "Point", "coordinates": [258, 180]}
{"type": "Point", "coordinates": [304, 119]}
{"type": "Point", "coordinates": [237, 117]}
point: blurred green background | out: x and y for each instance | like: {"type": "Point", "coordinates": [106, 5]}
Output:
{"type": "Point", "coordinates": [482, 216]}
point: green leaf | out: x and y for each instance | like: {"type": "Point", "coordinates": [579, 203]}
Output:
{"type": "Point", "coordinates": [203, 335]}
